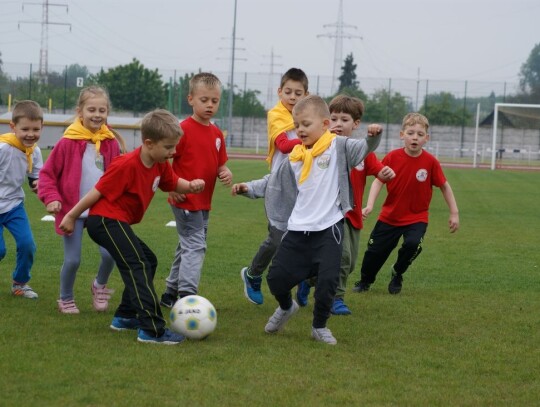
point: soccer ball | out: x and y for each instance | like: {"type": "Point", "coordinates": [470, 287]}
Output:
{"type": "Point", "coordinates": [194, 317]}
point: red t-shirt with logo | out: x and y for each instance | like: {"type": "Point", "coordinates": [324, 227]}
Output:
{"type": "Point", "coordinates": [199, 154]}
{"type": "Point", "coordinates": [127, 187]}
{"type": "Point", "coordinates": [370, 166]}
{"type": "Point", "coordinates": [410, 192]}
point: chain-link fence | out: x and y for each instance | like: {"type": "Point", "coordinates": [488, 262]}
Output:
{"type": "Point", "coordinates": [59, 92]}
{"type": "Point", "coordinates": [24, 82]}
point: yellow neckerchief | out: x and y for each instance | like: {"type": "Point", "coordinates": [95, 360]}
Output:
{"type": "Point", "coordinates": [12, 140]}
{"type": "Point", "coordinates": [76, 131]}
{"type": "Point", "coordinates": [279, 121]}
{"type": "Point", "coordinates": [301, 153]}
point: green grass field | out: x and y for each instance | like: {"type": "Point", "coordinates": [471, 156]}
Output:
{"type": "Point", "coordinates": [463, 332]}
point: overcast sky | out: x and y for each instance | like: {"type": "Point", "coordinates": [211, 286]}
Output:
{"type": "Point", "coordinates": [475, 40]}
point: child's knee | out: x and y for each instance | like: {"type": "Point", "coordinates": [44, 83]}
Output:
{"type": "Point", "coordinates": [26, 245]}
{"type": "Point", "coordinates": [412, 244]}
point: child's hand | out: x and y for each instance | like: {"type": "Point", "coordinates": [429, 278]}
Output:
{"type": "Point", "coordinates": [225, 176]}
{"type": "Point", "coordinates": [67, 225]}
{"type": "Point", "coordinates": [54, 207]}
{"type": "Point", "coordinates": [176, 197]}
{"type": "Point", "coordinates": [365, 212]}
{"type": "Point", "coordinates": [374, 130]}
{"type": "Point", "coordinates": [196, 186]}
{"type": "Point", "coordinates": [453, 222]}
{"type": "Point", "coordinates": [34, 186]}
{"type": "Point", "coordinates": [386, 173]}
{"type": "Point", "coordinates": [241, 188]}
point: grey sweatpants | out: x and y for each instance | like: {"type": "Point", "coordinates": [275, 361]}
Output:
{"type": "Point", "coordinates": [185, 274]}
{"type": "Point", "coordinates": [72, 261]}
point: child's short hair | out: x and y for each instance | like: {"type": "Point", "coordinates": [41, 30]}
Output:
{"type": "Point", "coordinates": [347, 104]}
{"type": "Point", "coordinates": [295, 74]}
{"type": "Point", "coordinates": [160, 124]}
{"type": "Point", "coordinates": [90, 92]}
{"type": "Point", "coordinates": [204, 78]}
{"type": "Point", "coordinates": [411, 119]}
{"type": "Point", "coordinates": [316, 102]}
{"type": "Point", "coordinates": [26, 109]}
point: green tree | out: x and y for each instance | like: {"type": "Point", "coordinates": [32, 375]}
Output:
{"type": "Point", "coordinates": [133, 87]}
{"type": "Point", "coordinates": [386, 106]}
{"type": "Point", "coordinates": [530, 76]}
{"type": "Point", "coordinates": [246, 104]}
{"type": "Point", "coordinates": [444, 109]}
{"type": "Point", "coordinates": [4, 83]}
{"type": "Point", "coordinates": [181, 90]}
{"type": "Point", "coordinates": [347, 79]}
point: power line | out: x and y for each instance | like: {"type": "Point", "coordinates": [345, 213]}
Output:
{"type": "Point", "coordinates": [44, 48]}
{"type": "Point", "coordinates": [339, 34]}
{"type": "Point", "coordinates": [271, 91]}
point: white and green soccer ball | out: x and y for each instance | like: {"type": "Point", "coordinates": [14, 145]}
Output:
{"type": "Point", "coordinates": [194, 317]}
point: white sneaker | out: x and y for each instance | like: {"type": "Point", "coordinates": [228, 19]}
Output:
{"type": "Point", "coordinates": [323, 335]}
{"type": "Point", "coordinates": [279, 318]}
{"type": "Point", "coordinates": [23, 290]}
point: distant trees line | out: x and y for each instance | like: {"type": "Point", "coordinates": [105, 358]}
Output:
{"type": "Point", "coordinates": [137, 89]}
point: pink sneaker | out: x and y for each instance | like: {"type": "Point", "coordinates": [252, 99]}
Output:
{"type": "Point", "coordinates": [101, 298]}
{"type": "Point", "coordinates": [67, 307]}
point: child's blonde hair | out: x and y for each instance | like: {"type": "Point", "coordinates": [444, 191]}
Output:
{"type": "Point", "coordinates": [348, 105]}
{"type": "Point", "coordinates": [160, 124]}
{"type": "Point", "coordinates": [205, 79]}
{"type": "Point", "coordinates": [26, 109]}
{"type": "Point", "coordinates": [90, 92]}
{"type": "Point", "coordinates": [320, 108]}
{"type": "Point", "coordinates": [411, 119]}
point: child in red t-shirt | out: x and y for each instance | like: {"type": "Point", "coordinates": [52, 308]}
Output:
{"type": "Point", "coordinates": [120, 199]}
{"type": "Point", "coordinates": [405, 210]}
{"type": "Point", "coordinates": [201, 153]}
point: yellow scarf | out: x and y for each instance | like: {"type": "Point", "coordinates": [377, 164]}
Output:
{"type": "Point", "coordinates": [12, 140]}
{"type": "Point", "coordinates": [301, 153]}
{"type": "Point", "coordinates": [279, 121]}
{"type": "Point", "coordinates": [76, 131]}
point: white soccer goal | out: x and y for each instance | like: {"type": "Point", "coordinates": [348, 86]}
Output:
{"type": "Point", "coordinates": [525, 111]}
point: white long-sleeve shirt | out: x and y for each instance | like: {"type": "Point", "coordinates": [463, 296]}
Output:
{"type": "Point", "coordinates": [13, 173]}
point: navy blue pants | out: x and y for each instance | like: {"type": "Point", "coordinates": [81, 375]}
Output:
{"type": "Point", "coordinates": [302, 255]}
{"type": "Point", "coordinates": [137, 265]}
{"type": "Point", "coordinates": [383, 239]}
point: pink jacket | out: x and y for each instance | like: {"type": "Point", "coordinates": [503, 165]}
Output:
{"type": "Point", "coordinates": [60, 177]}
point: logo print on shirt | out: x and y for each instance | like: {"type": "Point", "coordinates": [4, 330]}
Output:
{"type": "Point", "coordinates": [421, 175]}
{"type": "Point", "coordinates": [323, 161]}
{"type": "Point", "coordinates": [218, 144]}
{"type": "Point", "coordinates": [156, 183]}
{"type": "Point", "coordinates": [360, 167]}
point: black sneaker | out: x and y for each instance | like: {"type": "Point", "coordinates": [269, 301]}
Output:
{"type": "Point", "coordinates": [394, 287]}
{"type": "Point", "coordinates": [168, 300]}
{"type": "Point", "coordinates": [360, 287]}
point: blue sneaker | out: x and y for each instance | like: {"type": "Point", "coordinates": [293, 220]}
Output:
{"type": "Point", "coordinates": [168, 338]}
{"type": "Point", "coordinates": [339, 308]}
{"type": "Point", "coordinates": [124, 324]}
{"type": "Point", "coordinates": [302, 293]}
{"type": "Point", "coordinates": [252, 287]}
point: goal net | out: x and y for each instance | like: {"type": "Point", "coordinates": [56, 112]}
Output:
{"type": "Point", "coordinates": [516, 134]}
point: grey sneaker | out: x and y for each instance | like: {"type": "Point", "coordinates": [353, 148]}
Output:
{"type": "Point", "coordinates": [24, 291]}
{"type": "Point", "coordinates": [323, 335]}
{"type": "Point", "coordinates": [280, 317]}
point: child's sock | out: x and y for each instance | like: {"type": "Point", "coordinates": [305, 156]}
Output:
{"type": "Point", "coordinates": [97, 285]}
